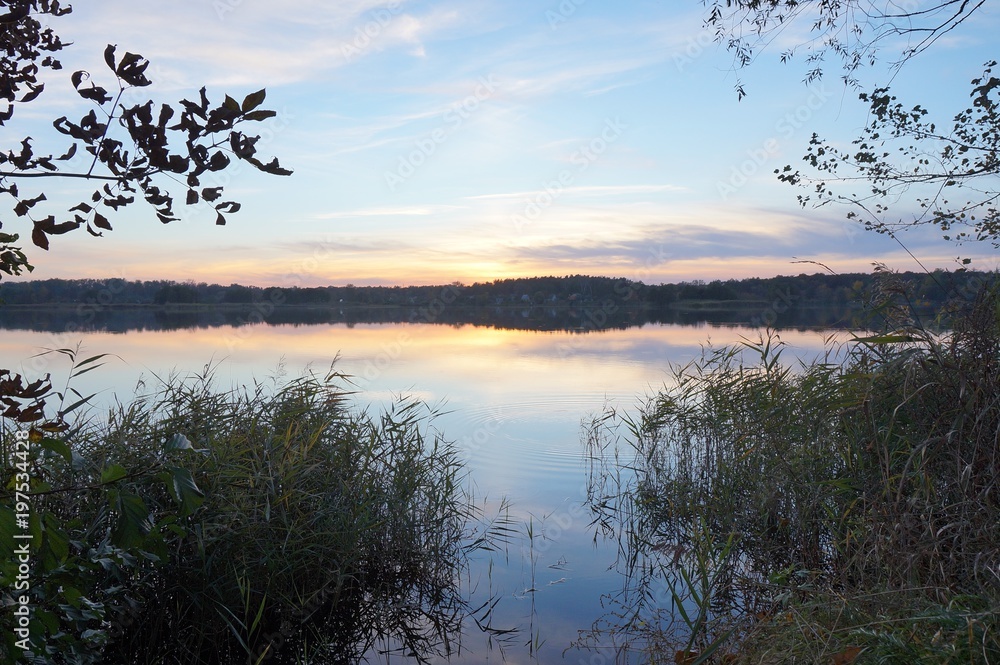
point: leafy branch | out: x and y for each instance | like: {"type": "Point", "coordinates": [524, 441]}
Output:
{"type": "Point", "coordinates": [903, 151]}
{"type": "Point", "coordinates": [143, 151]}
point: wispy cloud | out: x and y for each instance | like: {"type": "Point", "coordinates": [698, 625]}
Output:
{"type": "Point", "coordinates": [411, 211]}
{"type": "Point", "coordinates": [592, 190]}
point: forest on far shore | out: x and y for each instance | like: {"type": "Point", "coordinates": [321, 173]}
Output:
{"type": "Point", "coordinates": [819, 289]}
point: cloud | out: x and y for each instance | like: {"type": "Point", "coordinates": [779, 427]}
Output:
{"type": "Point", "coordinates": [409, 211]}
{"type": "Point", "coordinates": [592, 190]}
{"type": "Point", "coordinates": [236, 43]}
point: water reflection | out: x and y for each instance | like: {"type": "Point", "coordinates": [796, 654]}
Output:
{"type": "Point", "coordinates": [513, 397]}
{"type": "Point", "coordinates": [590, 317]}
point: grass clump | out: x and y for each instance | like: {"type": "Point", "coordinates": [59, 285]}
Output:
{"type": "Point", "coordinates": [843, 510]}
{"type": "Point", "coordinates": [261, 524]}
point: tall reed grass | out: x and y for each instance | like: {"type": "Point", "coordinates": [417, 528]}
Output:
{"type": "Point", "coordinates": [843, 510]}
{"type": "Point", "coordinates": [274, 524]}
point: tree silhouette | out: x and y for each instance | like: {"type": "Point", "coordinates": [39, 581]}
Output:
{"type": "Point", "coordinates": [135, 150]}
{"type": "Point", "coordinates": [853, 31]}
{"type": "Point", "coordinates": [911, 170]}
{"type": "Point", "coordinates": [905, 160]}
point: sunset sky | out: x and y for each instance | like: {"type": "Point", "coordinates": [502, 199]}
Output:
{"type": "Point", "coordinates": [472, 140]}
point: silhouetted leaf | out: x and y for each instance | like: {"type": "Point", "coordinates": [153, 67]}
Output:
{"type": "Point", "coordinates": [34, 92]}
{"type": "Point", "coordinates": [24, 205]}
{"type": "Point", "coordinates": [109, 55]}
{"type": "Point", "coordinates": [259, 115]}
{"type": "Point", "coordinates": [218, 161]}
{"type": "Point", "coordinates": [93, 92]}
{"type": "Point", "coordinates": [39, 238]}
{"type": "Point", "coordinates": [211, 193]}
{"type": "Point", "coordinates": [132, 69]}
{"type": "Point", "coordinates": [253, 100]}
{"type": "Point", "coordinates": [101, 222]}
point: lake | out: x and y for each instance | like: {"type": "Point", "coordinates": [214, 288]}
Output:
{"type": "Point", "coordinates": [513, 397]}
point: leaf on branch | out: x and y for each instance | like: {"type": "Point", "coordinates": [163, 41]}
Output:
{"type": "Point", "coordinates": [257, 116]}
{"type": "Point", "coordinates": [272, 167]}
{"type": "Point", "coordinates": [211, 193]}
{"type": "Point", "coordinates": [61, 228]}
{"type": "Point", "coordinates": [218, 161]}
{"type": "Point", "coordinates": [39, 238]}
{"type": "Point", "coordinates": [132, 70]}
{"type": "Point", "coordinates": [94, 92]}
{"type": "Point", "coordinates": [101, 222]}
{"type": "Point", "coordinates": [243, 146]}
{"type": "Point", "coordinates": [33, 92]}
{"type": "Point", "coordinates": [253, 100]}
{"type": "Point", "coordinates": [133, 521]}
{"type": "Point", "coordinates": [112, 473]}
{"type": "Point", "coordinates": [24, 205]}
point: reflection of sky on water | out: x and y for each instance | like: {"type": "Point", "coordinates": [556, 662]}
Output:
{"type": "Point", "coordinates": [513, 400]}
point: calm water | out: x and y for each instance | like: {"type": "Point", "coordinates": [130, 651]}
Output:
{"type": "Point", "coordinates": [513, 399]}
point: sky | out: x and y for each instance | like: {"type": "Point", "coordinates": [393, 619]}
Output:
{"type": "Point", "coordinates": [474, 140]}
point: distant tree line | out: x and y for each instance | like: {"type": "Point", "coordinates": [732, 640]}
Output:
{"type": "Point", "coordinates": [923, 289]}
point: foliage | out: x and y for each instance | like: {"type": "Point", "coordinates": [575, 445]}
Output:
{"type": "Point", "coordinates": [141, 150]}
{"type": "Point", "coordinates": [901, 152]}
{"type": "Point", "coordinates": [937, 165]}
{"type": "Point", "coordinates": [258, 524]}
{"type": "Point", "coordinates": [88, 295]}
{"type": "Point", "coordinates": [851, 30]}
{"type": "Point", "coordinates": [841, 508]}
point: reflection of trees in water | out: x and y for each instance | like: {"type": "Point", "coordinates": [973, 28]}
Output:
{"type": "Point", "coordinates": [582, 319]}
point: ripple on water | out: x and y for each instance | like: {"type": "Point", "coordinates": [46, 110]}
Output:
{"type": "Point", "coordinates": [541, 436]}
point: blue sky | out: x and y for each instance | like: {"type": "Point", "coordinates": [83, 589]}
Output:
{"type": "Point", "coordinates": [476, 140]}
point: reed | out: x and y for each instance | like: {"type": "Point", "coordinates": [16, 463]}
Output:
{"type": "Point", "coordinates": [840, 510]}
{"type": "Point", "coordinates": [270, 523]}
